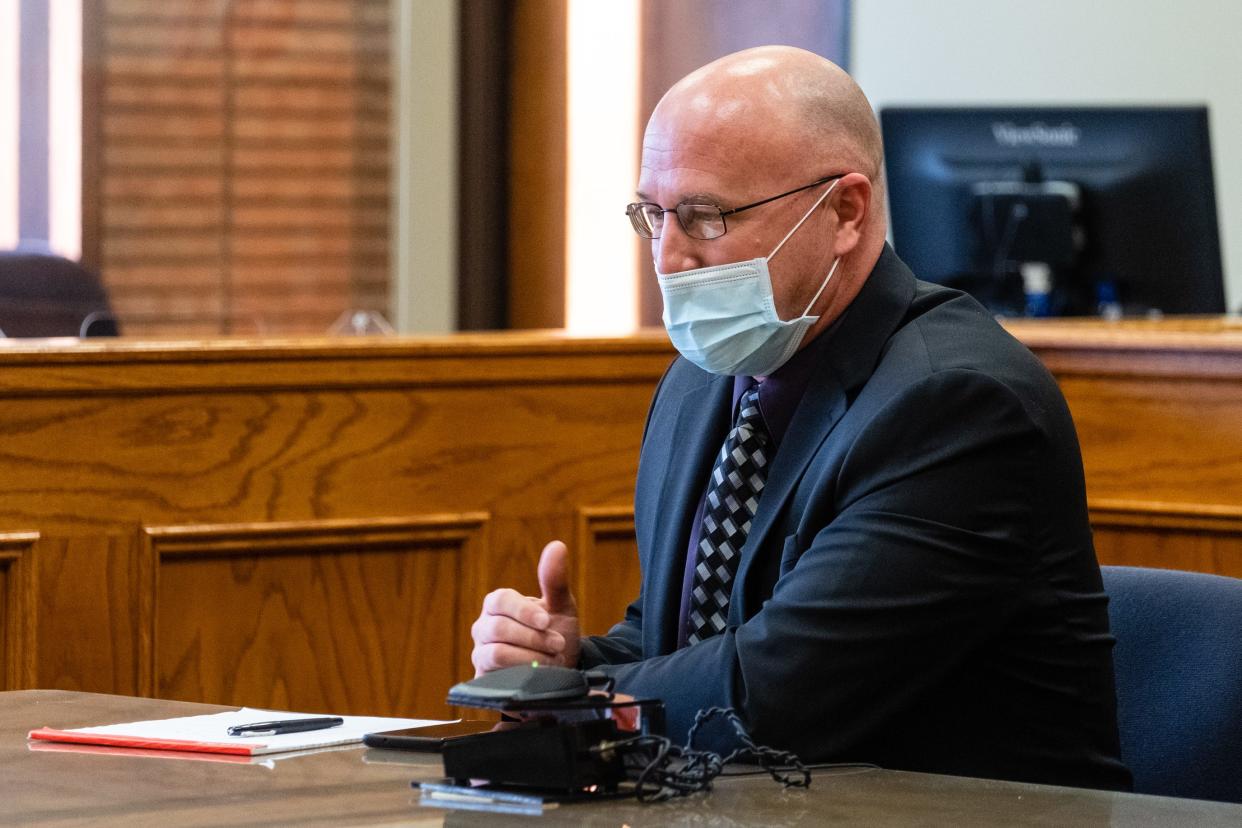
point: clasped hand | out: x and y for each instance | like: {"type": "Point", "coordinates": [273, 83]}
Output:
{"type": "Point", "coordinates": [518, 629]}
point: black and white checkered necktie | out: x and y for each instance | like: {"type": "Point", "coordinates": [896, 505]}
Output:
{"type": "Point", "coordinates": [732, 498]}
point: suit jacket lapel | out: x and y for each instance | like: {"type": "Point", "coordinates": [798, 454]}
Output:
{"type": "Point", "coordinates": [821, 407]}
{"type": "Point", "coordinates": [856, 345]}
{"type": "Point", "coordinates": [702, 421]}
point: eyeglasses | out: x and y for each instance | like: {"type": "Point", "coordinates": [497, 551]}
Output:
{"type": "Point", "coordinates": [700, 221]}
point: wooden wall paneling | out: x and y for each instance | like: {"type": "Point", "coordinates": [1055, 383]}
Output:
{"type": "Point", "coordinates": [537, 466]}
{"type": "Point", "coordinates": [537, 124]}
{"type": "Point", "coordinates": [1197, 455]}
{"type": "Point", "coordinates": [102, 439]}
{"type": "Point", "coordinates": [513, 556]}
{"type": "Point", "coordinates": [88, 610]}
{"type": "Point", "coordinates": [1195, 538]}
{"type": "Point", "coordinates": [355, 616]}
{"type": "Point", "coordinates": [559, 481]}
{"type": "Point", "coordinates": [607, 576]}
{"type": "Point", "coordinates": [17, 610]}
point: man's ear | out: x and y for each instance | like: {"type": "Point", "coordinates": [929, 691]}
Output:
{"type": "Point", "coordinates": [852, 201]}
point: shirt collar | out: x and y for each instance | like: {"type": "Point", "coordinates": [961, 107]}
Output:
{"type": "Point", "coordinates": [780, 393]}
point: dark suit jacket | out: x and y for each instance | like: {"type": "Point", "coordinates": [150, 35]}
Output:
{"type": "Point", "coordinates": [919, 587]}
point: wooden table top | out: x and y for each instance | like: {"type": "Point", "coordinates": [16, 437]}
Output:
{"type": "Point", "coordinates": [357, 786]}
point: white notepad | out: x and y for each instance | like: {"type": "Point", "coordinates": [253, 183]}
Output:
{"type": "Point", "coordinates": [209, 733]}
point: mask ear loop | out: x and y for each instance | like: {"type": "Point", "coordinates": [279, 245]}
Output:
{"type": "Point", "coordinates": [820, 292]}
{"type": "Point", "coordinates": [818, 202]}
{"type": "Point", "coordinates": [835, 261]}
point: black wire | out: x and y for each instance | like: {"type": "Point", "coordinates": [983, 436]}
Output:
{"type": "Point", "coordinates": [784, 766]}
{"type": "Point", "coordinates": [652, 758]}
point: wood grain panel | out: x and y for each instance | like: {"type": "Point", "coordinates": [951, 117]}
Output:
{"type": "Point", "coordinates": [89, 591]}
{"type": "Point", "coordinates": [17, 610]}
{"type": "Point", "coordinates": [1173, 350]}
{"type": "Point", "coordinates": [1169, 536]}
{"type": "Point", "coordinates": [1162, 548]}
{"type": "Point", "coordinates": [1199, 450]}
{"type": "Point", "coordinates": [607, 576]}
{"type": "Point", "coordinates": [282, 456]}
{"type": "Point", "coordinates": [350, 616]}
{"type": "Point", "coordinates": [105, 438]}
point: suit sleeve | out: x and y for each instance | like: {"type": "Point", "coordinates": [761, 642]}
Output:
{"type": "Point", "coordinates": [909, 555]}
{"type": "Point", "coordinates": [624, 642]}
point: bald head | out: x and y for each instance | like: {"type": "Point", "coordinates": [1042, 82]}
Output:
{"type": "Point", "coordinates": [789, 101]}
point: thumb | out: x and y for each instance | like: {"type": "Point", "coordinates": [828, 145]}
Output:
{"type": "Point", "coordinates": [554, 579]}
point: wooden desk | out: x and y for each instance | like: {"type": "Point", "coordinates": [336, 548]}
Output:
{"type": "Point", "coordinates": [355, 787]}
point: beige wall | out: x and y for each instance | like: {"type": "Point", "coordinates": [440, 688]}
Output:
{"type": "Point", "coordinates": [424, 215]}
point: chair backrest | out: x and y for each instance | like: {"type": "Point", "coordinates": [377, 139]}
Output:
{"type": "Point", "coordinates": [44, 295]}
{"type": "Point", "coordinates": [1179, 680]}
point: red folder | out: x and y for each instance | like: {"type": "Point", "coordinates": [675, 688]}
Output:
{"type": "Point", "coordinates": [51, 735]}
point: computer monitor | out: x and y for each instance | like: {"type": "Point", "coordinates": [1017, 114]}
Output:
{"type": "Point", "coordinates": [1058, 210]}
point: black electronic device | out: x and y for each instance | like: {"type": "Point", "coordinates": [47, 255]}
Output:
{"type": "Point", "coordinates": [568, 724]}
{"type": "Point", "coordinates": [1097, 209]}
{"type": "Point", "coordinates": [429, 737]}
{"type": "Point", "coordinates": [560, 693]}
{"type": "Point", "coordinates": [575, 738]}
{"type": "Point", "coordinates": [543, 753]}
{"type": "Point", "coordinates": [523, 684]}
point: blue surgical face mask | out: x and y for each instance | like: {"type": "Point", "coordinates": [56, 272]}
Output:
{"type": "Point", "coordinates": [723, 318]}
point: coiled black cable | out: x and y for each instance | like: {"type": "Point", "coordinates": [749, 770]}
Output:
{"type": "Point", "coordinates": [663, 770]}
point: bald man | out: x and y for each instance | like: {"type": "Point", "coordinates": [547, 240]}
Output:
{"type": "Point", "coordinates": [860, 506]}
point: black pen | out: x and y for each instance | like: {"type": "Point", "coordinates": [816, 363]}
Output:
{"type": "Point", "coordinates": [285, 726]}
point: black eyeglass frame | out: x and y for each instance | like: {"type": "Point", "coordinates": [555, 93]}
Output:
{"type": "Point", "coordinates": [632, 209]}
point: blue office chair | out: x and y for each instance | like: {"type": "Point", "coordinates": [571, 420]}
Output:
{"type": "Point", "coordinates": [1179, 680]}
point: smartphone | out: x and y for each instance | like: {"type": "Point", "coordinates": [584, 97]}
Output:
{"type": "Point", "coordinates": [429, 737]}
